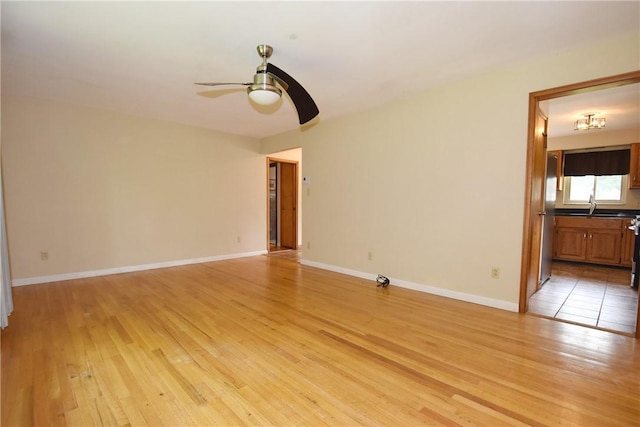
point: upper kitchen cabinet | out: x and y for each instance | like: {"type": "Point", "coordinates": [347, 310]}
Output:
{"type": "Point", "coordinates": [558, 155]}
{"type": "Point", "coordinates": [634, 170]}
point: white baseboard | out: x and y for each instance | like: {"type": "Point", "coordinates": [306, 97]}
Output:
{"type": "Point", "coordinates": [476, 299]}
{"type": "Point", "coordinates": [129, 269]}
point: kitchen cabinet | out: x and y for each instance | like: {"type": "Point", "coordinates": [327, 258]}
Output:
{"type": "Point", "coordinates": [634, 169]}
{"type": "Point", "coordinates": [593, 240]}
{"type": "Point", "coordinates": [628, 240]}
{"type": "Point", "coordinates": [604, 246]}
{"type": "Point", "coordinates": [570, 244]}
{"type": "Point", "coordinates": [559, 164]}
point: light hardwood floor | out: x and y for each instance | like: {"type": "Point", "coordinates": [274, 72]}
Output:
{"type": "Point", "coordinates": [266, 341]}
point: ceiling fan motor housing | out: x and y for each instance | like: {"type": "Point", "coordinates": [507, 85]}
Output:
{"type": "Point", "coordinates": [263, 90]}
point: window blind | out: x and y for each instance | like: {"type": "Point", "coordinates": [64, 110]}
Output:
{"type": "Point", "coordinates": [597, 163]}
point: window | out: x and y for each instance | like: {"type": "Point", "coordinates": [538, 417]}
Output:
{"type": "Point", "coordinates": [607, 189]}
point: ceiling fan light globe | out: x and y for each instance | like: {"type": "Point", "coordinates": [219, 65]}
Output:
{"type": "Point", "coordinates": [264, 95]}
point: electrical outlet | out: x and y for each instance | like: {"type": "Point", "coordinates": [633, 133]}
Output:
{"type": "Point", "coordinates": [308, 245]}
{"type": "Point", "coordinates": [369, 255]}
{"type": "Point", "coordinates": [239, 239]}
{"type": "Point", "coordinates": [495, 273]}
{"type": "Point", "coordinates": [44, 255]}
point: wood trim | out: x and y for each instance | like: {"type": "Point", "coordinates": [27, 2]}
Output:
{"type": "Point", "coordinates": [295, 189]}
{"type": "Point", "coordinates": [534, 99]}
{"type": "Point", "coordinates": [527, 225]}
{"type": "Point", "coordinates": [267, 206]}
{"type": "Point", "coordinates": [588, 86]}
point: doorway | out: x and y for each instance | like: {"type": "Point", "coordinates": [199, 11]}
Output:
{"type": "Point", "coordinates": [282, 210]}
{"type": "Point", "coordinates": [535, 177]}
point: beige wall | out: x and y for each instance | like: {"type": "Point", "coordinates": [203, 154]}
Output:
{"type": "Point", "coordinates": [593, 139]}
{"type": "Point", "coordinates": [101, 190]}
{"type": "Point", "coordinates": [433, 185]}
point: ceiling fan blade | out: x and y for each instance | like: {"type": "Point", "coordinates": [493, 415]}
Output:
{"type": "Point", "coordinates": [220, 92]}
{"type": "Point", "coordinates": [221, 84]}
{"type": "Point", "coordinates": [307, 108]}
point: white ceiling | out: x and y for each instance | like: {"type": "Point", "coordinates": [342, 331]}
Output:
{"type": "Point", "coordinates": [142, 58]}
{"type": "Point", "coordinates": [620, 106]}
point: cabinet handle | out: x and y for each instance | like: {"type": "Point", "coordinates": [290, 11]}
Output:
{"type": "Point", "coordinates": [585, 236]}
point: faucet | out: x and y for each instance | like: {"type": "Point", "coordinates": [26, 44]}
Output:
{"type": "Point", "coordinates": [592, 204]}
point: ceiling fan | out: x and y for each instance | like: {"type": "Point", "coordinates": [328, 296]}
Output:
{"type": "Point", "coordinates": [264, 91]}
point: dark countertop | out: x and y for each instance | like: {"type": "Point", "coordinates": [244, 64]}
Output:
{"type": "Point", "coordinates": [599, 213]}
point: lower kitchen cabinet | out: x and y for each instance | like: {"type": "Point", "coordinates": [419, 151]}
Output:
{"type": "Point", "coordinates": [594, 240]}
{"type": "Point", "coordinates": [628, 239]}
{"type": "Point", "coordinates": [570, 244]}
{"type": "Point", "coordinates": [604, 246]}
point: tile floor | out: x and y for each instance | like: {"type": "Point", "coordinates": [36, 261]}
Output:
{"type": "Point", "coordinates": [590, 295]}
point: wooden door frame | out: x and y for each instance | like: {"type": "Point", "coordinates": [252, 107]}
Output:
{"type": "Point", "coordinates": [537, 228]}
{"type": "Point", "coordinates": [529, 245]}
{"type": "Point", "coordinates": [295, 191]}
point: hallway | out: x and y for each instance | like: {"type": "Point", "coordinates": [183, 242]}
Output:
{"type": "Point", "coordinates": [591, 295]}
